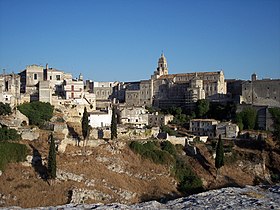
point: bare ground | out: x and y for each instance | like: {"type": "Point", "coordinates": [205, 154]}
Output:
{"type": "Point", "coordinates": [114, 172]}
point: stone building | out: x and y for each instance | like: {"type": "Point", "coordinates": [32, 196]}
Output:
{"type": "Point", "coordinates": [166, 90]}
{"type": "Point", "coordinates": [103, 92]}
{"type": "Point", "coordinates": [158, 120]}
{"type": "Point", "coordinates": [73, 89]}
{"type": "Point", "coordinates": [227, 130]}
{"type": "Point", "coordinates": [264, 92]}
{"type": "Point", "coordinates": [50, 78]}
{"type": "Point", "coordinates": [203, 127]}
{"type": "Point", "coordinates": [137, 117]}
{"type": "Point", "coordinates": [10, 89]}
{"type": "Point", "coordinates": [99, 119]}
{"type": "Point", "coordinates": [53, 86]}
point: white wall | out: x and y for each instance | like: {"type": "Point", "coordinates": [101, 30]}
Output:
{"type": "Point", "coordinates": [97, 120]}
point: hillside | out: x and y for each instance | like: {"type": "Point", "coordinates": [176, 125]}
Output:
{"type": "Point", "coordinates": [249, 197]}
{"type": "Point", "coordinates": [111, 172]}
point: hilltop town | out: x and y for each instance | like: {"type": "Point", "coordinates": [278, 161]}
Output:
{"type": "Point", "coordinates": [167, 128]}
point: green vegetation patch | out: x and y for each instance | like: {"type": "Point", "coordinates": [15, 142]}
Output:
{"type": "Point", "coordinates": [5, 109]}
{"type": "Point", "coordinates": [167, 154]}
{"type": "Point", "coordinates": [8, 134]}
{"type": "Point", "coordinates": [247, 119]}
{"type": "Point", "coordinates": [11, 152]}
{"type": "Point", "coordinates": [275, 113]}
{"type": "Point", "coordinates": [37, 112]}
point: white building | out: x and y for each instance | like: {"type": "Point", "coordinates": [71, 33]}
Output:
{"type": "Point", "coordinates": [73, 89]}
{"type": "Point", "coordinates": [134, 116]}
{"type": "Point", "coordinates": [100, 119]}
{"type": "Point", "coordinates": [203, 127]}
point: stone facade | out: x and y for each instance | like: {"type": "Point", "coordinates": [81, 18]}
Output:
{"type": "Point", "coordinates": [157, 120]}
{"type": "Point", "coordinates": [261, 92]}
{"type": "Point", "coordinates": [264, 92]}
{"type": "Point", "coordinates": [103, 92]}
{"type": "Point", "coordinates": [227, 130]}
{"type": "Point", "coordinates": [165, 90]}
{"type": "Point", "coordinates": [54, 86]}
{"type": "Point", "coordinates": [10, 89]}
{"type": "Point", "coordinates": [45, 91]}
{"type": "Point", "coordinates": [203, 127]}
{"type": "Point", "coordinates": [134, 116]}
{"type": "Point", "coordinates": [73, 89]}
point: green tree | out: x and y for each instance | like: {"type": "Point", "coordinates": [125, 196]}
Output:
{"type": "Point", "coordinates": [219, 160]}
{"type": "Point", "coordinates": [114, 132]}
{"type": "Point", "coordinates": [239, 121]}
{"type": "Point", "coordinates": [37, 112]}
{"type": "Point", "coordinates": [202, 107]}
{"type": "Point", "coordinates": [52, 159]}
{"type": "Point", "coordinates": [249, 118]}
{"type": "Point", "coordinates": [5, 109]}
{"type": "Point", "coordinates": [275, 113]}
{"type": "Point", "coordinates": [85, 124]}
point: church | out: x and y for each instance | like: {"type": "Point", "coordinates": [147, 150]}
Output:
{"type": "Point", "coordinates": [165, 90]}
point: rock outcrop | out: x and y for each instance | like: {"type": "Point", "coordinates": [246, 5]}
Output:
{"type": "Point", "coordinates": [257, 197]}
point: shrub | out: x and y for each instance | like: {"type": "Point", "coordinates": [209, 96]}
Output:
{"type": "Point", "coordinates": [247, 119]}
{"type": "Point", "coordinates": [37, 112]}
{"type": "Point", "coordinates": [275, 113]}
{"type": "Point", "coordinates": [11, 152]}
{"type": "Point", "coordinates": [8, 134]}
{"type": "Point", "coordinates": [168, 130]}
{"type": "Point", "coordinates": [166, 153]}
{"type": "Point", "coordinates": [5, 109]}
{"type": "Point", "coordinates": [167, 146]}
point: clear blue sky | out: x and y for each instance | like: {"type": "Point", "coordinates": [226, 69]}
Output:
{"type": "Point", "coordinates": [121, 40]}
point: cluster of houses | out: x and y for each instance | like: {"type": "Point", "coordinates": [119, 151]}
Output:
{"type": "Point", "coordinates": [162, 90]}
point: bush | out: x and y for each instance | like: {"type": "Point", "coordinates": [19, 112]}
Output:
{"type": "Point", "coordinates": [8, 134]}
{"type": "Point", "coordinates": [247, 119]}
{"type": "Point", "coordinates": [37, 112]}
{"type": "Point", "coordinates": [11, 152]}
{"type": "Point", "coordinates": [168, 130]}
{"type": "Point", "coordinates": [166, 153]}
{"type": "Point", "coordinates": [5, 109]}
{"type": "Point", "coordinates": [167, 146]}
{"type": "Point", "coordinates": [275, 113]}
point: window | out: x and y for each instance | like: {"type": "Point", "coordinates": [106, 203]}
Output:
{"type": "Point", "coordinates": [6, 86]}
{"type": "Point", "coordinates": [50, 77]}
{"type": "Point", "coordinates": [35, 76]}
{"type": "Point", "coordinates": [57, 77]}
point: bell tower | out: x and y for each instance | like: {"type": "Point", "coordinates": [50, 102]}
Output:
{"type": "Point", "coordinates": [162, 68]}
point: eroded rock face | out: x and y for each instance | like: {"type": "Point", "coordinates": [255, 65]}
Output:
{"type": "Point", "coordinates": [64, 176]}
{"type": "Point", "coordinates": [30, 134]}
{"type": "Point", "coordinates": [257, 197]}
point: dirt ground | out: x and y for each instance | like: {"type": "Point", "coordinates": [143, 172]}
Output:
{"type": "Point", "coordinates": [113, 171]}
